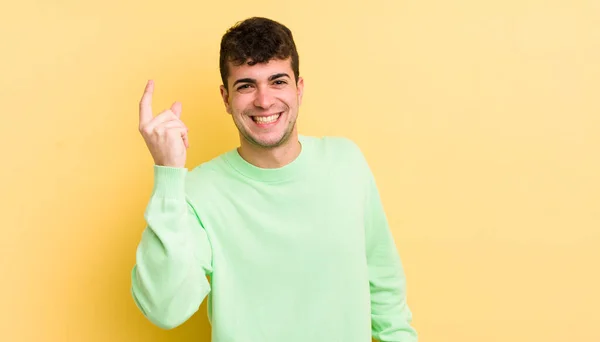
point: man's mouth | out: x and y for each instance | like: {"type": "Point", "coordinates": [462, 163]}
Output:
{"type": "Point", "coordinates": [265, 120]}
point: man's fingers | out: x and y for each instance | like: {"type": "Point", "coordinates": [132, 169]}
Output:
{"type": "Point", "coordinates": [176, 109]}
{"type": "Point", "coordinates": [165, 116]}
{"type": "Point", "coordinates": [179, 126]}
{"type": "Point", "coordinates": [173, 124]}
{"type": "Point", "coordinates": [160, 127]}
{"type": "Point", "coordinates": [160, 119]}
{"type": "Point", "coordinates": [147, 119]}
{"type": "Point", "coordinates": [186, 140]}
{"type": "Point", "coordinates": [146, 103]}
{"type": "Point", "coordinates": [183, 131]}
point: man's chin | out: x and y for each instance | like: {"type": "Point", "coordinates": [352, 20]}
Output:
{"type": "Point", "coordinates": [268, 141]}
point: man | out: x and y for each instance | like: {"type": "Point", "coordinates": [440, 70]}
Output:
{"type": "Point", "coordinates": [289, 229]}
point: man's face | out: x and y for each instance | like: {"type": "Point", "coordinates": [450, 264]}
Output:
{"type": "Point", "coordinates": [263, 100]}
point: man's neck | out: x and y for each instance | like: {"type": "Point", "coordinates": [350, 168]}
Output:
{"type": "Point", "coordinates": [270, 158]}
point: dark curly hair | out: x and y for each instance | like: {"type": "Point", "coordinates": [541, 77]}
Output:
{"type": "Point", "coordinates": [257, 40]}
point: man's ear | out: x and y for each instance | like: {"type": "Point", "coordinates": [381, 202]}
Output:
{"type": "Point", "coordinates": [225, 96]}
{"type": "Point", "coordinates": [300, 89]}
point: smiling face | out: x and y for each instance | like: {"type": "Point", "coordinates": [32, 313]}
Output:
{"type": "Point", "coordinates": [263, 100]}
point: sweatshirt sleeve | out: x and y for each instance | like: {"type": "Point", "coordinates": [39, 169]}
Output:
{"type": "Point", "coordinates": [173, 258]}
{"type": "Point", "coordinates": [390, 315]}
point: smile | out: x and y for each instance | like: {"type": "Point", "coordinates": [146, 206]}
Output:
{"type": "Point", "coordinates": [266, 120]}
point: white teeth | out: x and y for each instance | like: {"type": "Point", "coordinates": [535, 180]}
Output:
{"type": "Point", "coordinates": [266, 119]}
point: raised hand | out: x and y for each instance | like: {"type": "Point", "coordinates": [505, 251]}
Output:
{"type": "Point", "coordinates": [165, 135]}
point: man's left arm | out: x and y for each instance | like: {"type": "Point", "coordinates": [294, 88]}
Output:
{"type": "Point", "coordinates": [390, 315]}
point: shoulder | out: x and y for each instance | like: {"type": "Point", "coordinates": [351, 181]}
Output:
{"type": "Point", "coordinates": [338, 149]}
{"type": "Point", "coordinates": [331, 143]}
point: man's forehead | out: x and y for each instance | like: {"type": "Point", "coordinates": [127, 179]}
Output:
{"type": "Point", "coordinates": [260, 70]}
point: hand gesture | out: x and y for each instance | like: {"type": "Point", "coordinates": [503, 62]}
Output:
{"type": "Point", "coordinates": [165, 134]}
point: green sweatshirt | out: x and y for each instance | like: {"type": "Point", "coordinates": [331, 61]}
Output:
{"type": "Point", "coordinates": [301, 253]}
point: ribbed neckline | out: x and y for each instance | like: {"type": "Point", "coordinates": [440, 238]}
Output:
{"type": "Point", "coordinates": [289, 171]}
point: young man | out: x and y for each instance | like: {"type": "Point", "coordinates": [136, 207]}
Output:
{"type": "Point", "coordinates": [289, 229]}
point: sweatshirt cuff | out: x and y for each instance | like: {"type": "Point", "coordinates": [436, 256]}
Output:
{"type": "Point", "coordinates": [169, 181]}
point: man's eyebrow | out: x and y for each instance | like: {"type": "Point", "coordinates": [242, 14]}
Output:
{"type": "Point", "coordinates": [244, 80]}
{"type": "Point", "coordinates": [253, 81]}
{"type": "Point", "coordinates": [279, 75]}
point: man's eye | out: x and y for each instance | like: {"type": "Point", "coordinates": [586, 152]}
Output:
{"type": "Point", "coordinates": [242, 87]}
{"type": "Point", "coordinates": [280, 82]}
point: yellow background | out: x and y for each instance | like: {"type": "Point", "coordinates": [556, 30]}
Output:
{"type": "Point", "coordinates": [480, 120]}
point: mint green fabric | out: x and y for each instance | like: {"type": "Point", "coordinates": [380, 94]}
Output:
{"type": "Point", "coordinates": [301, 253]}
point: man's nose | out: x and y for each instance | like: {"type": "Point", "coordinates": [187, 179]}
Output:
{"type": "Point", "coordinates": [264, 99]}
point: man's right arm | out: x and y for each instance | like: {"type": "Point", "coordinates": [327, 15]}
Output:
{"type": "Point", "coordinates": [168, 281]}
